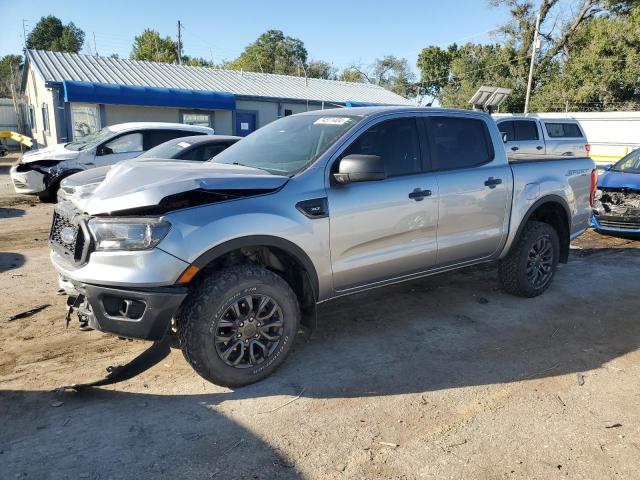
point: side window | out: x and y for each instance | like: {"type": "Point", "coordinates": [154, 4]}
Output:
{"type": "Point", "coordinates": [525, 130]}
{"type": "Point", "coordinates": [563, 130]}
{"type": "Point", "coordinates": [127, 143]}
{"type": "Point", "coordinates": [153, 138]}
{"type": "Point", "coordinates": [213, 150]}
{"type": "Point", "coordinates": [32, 118]}
{"type": "Point", "coordinates": [396, 141]}
{"type": "Point", "coordinates": [507, 127]}
{"type": "Point", "coordinates": [458, 142]}
{"type": "Point", "coordinates": [203, 152]}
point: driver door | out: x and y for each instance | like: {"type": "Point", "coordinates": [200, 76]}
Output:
{"type": "Point", "coordinates": [380, 230]}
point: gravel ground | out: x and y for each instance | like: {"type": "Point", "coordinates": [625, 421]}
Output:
{"type": "Point", "coordinates": [444, 377]}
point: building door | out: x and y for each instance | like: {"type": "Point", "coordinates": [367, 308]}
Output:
{"type": "Point", "coordinates": [85, 119]}
{"type": "Point", "coordinates": [245, 123]}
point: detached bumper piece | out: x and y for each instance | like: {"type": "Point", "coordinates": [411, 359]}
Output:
{"type": "Point", "coordinates": [617, 211]}
{"type": "Point", "coordinates": [143, 313]}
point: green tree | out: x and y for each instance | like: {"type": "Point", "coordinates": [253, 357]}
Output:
{"type": "Point", "coordinates": [454, 74]}
{"type": "Point", "coordinates": [320, 69]}
{"type": "Point", "coordinates": [50, 34]}
{"type": "Point", "coordinates": [390, 72]}
{"type": "Point", "coordinates": [351, 75]}
{"type": "Point", "coordinates": [434, 64]}
{"type": "Point", "coordinates": [272, 52]}
{"type": "Point", "coordinates": [10, 66]}
{"type": "Point", "coordinates": [602, 71]}
{"type": "Point", "coordinates": [150, 46]}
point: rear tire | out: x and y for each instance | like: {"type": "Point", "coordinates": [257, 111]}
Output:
{"type": "Point", "coordinates": [528, 269]}
{"type": "Point", "coordinates": [234, 304]}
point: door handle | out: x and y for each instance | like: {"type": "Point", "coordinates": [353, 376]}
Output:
{"type": "Point", "coordinates": [492, 182]}
{"type": "Point", "coordinates": [514, 149]}
{"type": "Point", "coordinates": [539, 147]}
{"type": "Point", "coordinates": [418, 194]}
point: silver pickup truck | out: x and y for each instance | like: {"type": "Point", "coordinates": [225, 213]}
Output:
{"type": "Point", "coordinates": [232, 254]}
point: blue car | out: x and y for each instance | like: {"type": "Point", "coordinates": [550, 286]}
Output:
{"type": "Point", "coordinates": [616, 206]}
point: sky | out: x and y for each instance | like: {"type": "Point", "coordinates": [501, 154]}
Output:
{"type": "Point", "coordinates": [340, 32]}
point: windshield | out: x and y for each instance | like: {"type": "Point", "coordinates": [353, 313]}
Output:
{"type": "Point", "coordinates": [629, 164]}
{"type": "Point", "coordinates": [288, 145]}
{"type": "Point", "coordinates": [167, 149]}
{"type": "Point", "coordinates": [89, 140]}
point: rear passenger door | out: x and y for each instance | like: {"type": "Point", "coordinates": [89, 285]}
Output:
{"type": "Point", "coordinates": [380, 230]}
{"type": "Point", "coordinates": [473, 189]}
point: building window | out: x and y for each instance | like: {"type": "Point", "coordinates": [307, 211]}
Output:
{"type": "Point", "coordinates": [199, 119]}
{"type": "Point", "coordinates": [287, 112]}
{"type": "Point", "coordinates": [45, 117]}
{"type": "Point", "coordinates": [32, 118]}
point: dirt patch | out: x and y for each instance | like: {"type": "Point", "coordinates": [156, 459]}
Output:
{"type": "Point", "coordinates": [417, 380]}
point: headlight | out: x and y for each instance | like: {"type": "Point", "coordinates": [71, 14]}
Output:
{"type": "Point", "coordinates": [128, 233]}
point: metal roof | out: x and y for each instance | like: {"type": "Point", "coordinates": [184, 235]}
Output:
{"type": "Point", "coordinates": [59, 66]}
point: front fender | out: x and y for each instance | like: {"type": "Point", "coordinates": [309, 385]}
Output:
{"type": "Point", "coordinates": [201, 234]}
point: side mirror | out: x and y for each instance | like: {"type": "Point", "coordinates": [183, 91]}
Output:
{"type": "Point", "coordinates": [505, 137]}
{"type": "Point", "coordinates": [360, 168]}
{"type": "Point", "coordinates": [104, 150]}
{"type": "Point", "coordinates": [608, 167]}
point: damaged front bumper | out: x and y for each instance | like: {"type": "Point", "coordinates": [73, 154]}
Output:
{"type": "Point", "coordinates": [27, 182]}
{"type": "Point", "coordinates": [617, 210]}
{"type": "Point", "coordinates": [132, 313]}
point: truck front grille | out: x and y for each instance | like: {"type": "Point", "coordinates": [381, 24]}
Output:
{"type": "Point", "coordinates": [67, 237]}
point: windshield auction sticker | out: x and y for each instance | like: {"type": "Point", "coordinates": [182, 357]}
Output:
{"type": "Point", "coordinates": [332, 121]}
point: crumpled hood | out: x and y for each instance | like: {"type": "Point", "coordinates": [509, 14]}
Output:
{"type": "Point", "coordinates": [619, 180]}
{"type": "Point", "coordinates": [56, 152]}
{"type": "Point", "coordinates": [144, 183]}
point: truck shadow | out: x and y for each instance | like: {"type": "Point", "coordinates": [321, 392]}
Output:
{"type": "Point", "coordinates": [445, 332]}
{"type": "Point", "coordinates": [11, 261]}
{"type": "Point", "coordinates": [11, 212]}
{"type": "Point", "coordinates": [109, 434]}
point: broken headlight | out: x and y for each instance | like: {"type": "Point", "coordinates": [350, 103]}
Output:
{"type": "Point", "coordinates": [597, 195]}
{"type": "Point", "coordinates": [128, 233]}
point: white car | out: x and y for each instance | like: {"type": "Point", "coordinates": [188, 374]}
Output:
{"type": "Point", "coordinates": [40, 171]}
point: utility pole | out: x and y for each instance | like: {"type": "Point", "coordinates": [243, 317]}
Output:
{"type": "Point", "coordinates": [533, 61]}
{"type": "Point", "coordinates": [179, 43]}
{"type": "Point", "coordinates": [24, 32]}
{"type": "Point", "coordinates": [95, 48]}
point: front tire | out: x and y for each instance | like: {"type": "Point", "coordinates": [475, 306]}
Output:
{"type": "Point", "coordinates": [528, 269]}
{"type": "Point", "coordinates": [238, 325]}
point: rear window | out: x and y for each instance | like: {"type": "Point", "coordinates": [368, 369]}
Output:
{"type": "Point", "coordinates": [458, 142]}
{"type": "Point", "coordinates": [563, 130]}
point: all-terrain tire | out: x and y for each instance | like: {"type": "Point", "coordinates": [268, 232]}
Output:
{"type": "Point", "coordinates": [512, 269]}
{"type": "Point", "coordinates": [204, 307]}
{"type": "Point", "coordinates": [50, 195]}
